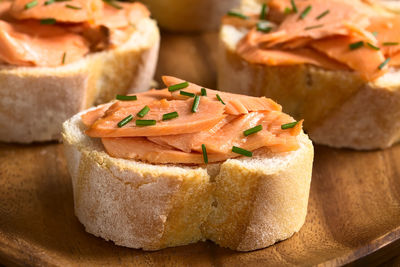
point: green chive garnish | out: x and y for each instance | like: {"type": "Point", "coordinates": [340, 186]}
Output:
{"type": "Point", "coordinates": [263, 26]}
{"type": "Point", "coordinates": [186, 93]}
{"type": "Point", "coordinates": [47, 21]}
{"type": "Point", "coordinates": [203, 92]}
{"type": "Point", "coordinates": [294, 7]}
{"type": "Point", "coordinates": [220, 99]}
{"type": "Point", "coordinates": [31, 4]}
{"type": "Point", "coordinates": [252, 130]}
{"type": "Point", "coordinates": [374, 33]}
{"type": "Point", "coordinates": [205, 157]}
{"type": "Point", "coordinates": [145, 122]}
{"type": "Point", "coordinates": [125, 121]}
{"type": "Point", "coordinates": [373, 47]}
{"type": "Point", "coordinates": [73, 7]}
{"type": "Point", "coordinates": [178, 86]}
{"type": "Point", "coordinates": [49, 2]}
{"type": "Point", "coordinates": [242, 151]}
{"type": "Point", "coordinates": [126, 97]}
{"type": "Point", "coordinates": [383, 64]}
{"type": "Point", "coordinates": [305, 12]}
{"type": "Point", "coordinates": [313, 27]}
{"type": "Point", "coordinates": [143, 111]}
{"type": "Point", "coordinates": [323, 14]}
{"type": "Point", "coordinates": [195, 105]}
{"type": "Point", "coordinates": [263, 11]}
{"type": "Point", "coordinates": [288, 125]}
{"type": "Point", "coordinates": [288, 10]}
{"type": "Point", "coordinates": [390, 43]}
{"type": "Point", "coordinates": [63, 58]}
{"type": "Point", "coordinates": [237, 14]}
{"type": "Point", "coordinates": [356, 45]}
{"type": "Point", "coordinates": [113, 4]}
{"type": "Point", "coordinates": [169, 116]}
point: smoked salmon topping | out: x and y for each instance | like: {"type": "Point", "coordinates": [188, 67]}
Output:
{"type": "Point", "coordinates": [51, 33]}
{"type": "Point", "coordinates": [169, 131]}
{"type": "Point", "coordinates": [335, 35]}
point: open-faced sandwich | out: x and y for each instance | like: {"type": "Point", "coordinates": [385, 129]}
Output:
{"type": "Point", "coordinates": [174, 166]}
{"type": "Point", "coordinates": [60, 57]}
{"type": "Point", "coordinates": [334, 63]}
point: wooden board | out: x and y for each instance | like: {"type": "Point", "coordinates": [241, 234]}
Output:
{"type": "Point", "coordinates": [354, 206]}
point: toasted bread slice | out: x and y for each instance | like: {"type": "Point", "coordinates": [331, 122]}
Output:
{"type": "Point", "coordinates": [35, 101]}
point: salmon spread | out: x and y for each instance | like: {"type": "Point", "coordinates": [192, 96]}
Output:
{"type": "Point", "coordinates": [51, 33]}
{"type": "Point", "coordinates": [188, 124]}
{"type": "Point", "coordinates": [336, 35]}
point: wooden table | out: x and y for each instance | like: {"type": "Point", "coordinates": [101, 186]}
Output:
{"type": "Point", "coordinates": [354, 208]}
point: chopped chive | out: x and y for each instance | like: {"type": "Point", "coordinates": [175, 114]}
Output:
{"type": "Point", "coordinates": [313, 27]}
{"type": "Point", "coordinates": [203, 92]}
{"type": "Point", "coordinates": [323, 14]}
{"type": "Point", "coordinates": [195, 105]}
{"type": "Point", "coordinates": [374, 33]}
{"type": "Point", "coordinates": [294, 7]}
{"type": "Point", "coordinates": [47, 21]}
{"type": "Point", "coordinates": [237, 14]}
{"type": "Point", "coordinates": [253, 130]}
{"type": "Point", "coordinates": [31, 4]}
{"type": "Point", "coordinates": [145, 122]}
{"type": "Point", "coordinates": [113, 4]}
{"type": "Point", "coordinates": [305, 12]}
{"type": "Point", "coordinates": [390, 43]}
{"type": "Point", "coordinates": [143, 111]}
{"type": "Point", "coordinates": [242, 151]}
{"type": "Point", "coordinates": [288, 10]}
{"type": "Point", "coordinates": [220, 99]}
{"type": "Point", "coordinates": [63, 58]}
{"type": "Point", "coordinates": [49, 2]}
{"type": "Point", "coordinates": [383, 64]}
{"type": "Point", "coordinates": [264, 11]}
{"type": "Point", "coordinates": [186, 93]}
{"type": "Point", "coordinates": [178, 86]}
{"type": "Point", "coordinates": [356, 45]}
{"type": "Point", "coordinates": [263, 26]}
{"type": "Point", "coordinates": [169, 116]}
{"type": "Point", "coordinates": [126, 97]}
{"type": "Point", "coordinates": [373, 47]}
{"type": "Point", "coordinates": [72, 7]}
{"type": "Point", "coordinates": [288, 125]}
{"type": "Point", "coordinates": [204, 149]}
{"type": "Point", "coordinates": [125, 121]}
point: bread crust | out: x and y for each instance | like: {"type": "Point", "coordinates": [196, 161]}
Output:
{"type": "Point", "coordinates": [243, 204]}
{"type": "Point", "coordinates": [34, 101]}
{"type": "Point", "coordinates": [339, 108]}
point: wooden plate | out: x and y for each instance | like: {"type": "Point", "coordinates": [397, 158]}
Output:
{"type": "Point", "coordinates": [354, 206]}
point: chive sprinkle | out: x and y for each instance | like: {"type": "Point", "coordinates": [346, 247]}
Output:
{"type": "Point", "coordinates": [195, 105]}
{"type": "Point", "coordinates": [178, 86]}
{"type": "Point", "coordinates": [253, 130]}
{"type": "Point", "coordinates": [169, 116]}
{"type": "Point", "coordinates": [204, 149]}
{"type": "Point", "coordinates": [31, 4]}
{"type": "Point", "coordinates": [220, 99]}
{"type": "Point", "coordinates": [237, 14]}
{"type": "Point", "coordinates": [263, 26]}
{"type": "Point", "coordinates": [374, 33]}
{"type": "Point", "coordinates": [113, 4]}
{"type": "Point", "coordinates": [145, 122]}
{"type": "Point", "coordinates": [143, 111]}
{"type": "Point", "coordinates": [294, 7]}
{"type": "Point", "coordinates": [373, 47]}
{"type": "Point", "coordinates": [186, 94]}
{"type": "Point", "coordinates": [126, 97]}
{"type": "Point", "coordinates": [305, 12]}
{"type": "Point", "coordinates": [390, 43]}
{"type": "Point", "coordinates": [288, 125]}
{"type": "Point", "coordinates": [47, 21]}
{"type": "Point", "coordinates": [125, 121]}
{"type": "Point", "coordinates": [72, 7]}
{"type": "Point", "coordinates": [313, 27]}
{"type": "Point", "coordinates": [49, 2]}
{"type": "Point", "coordinates": [356, 45]}
{"type": "Point", "coordinates": [63, 58]}
{"type": "Point", "coordinates": [383, 64]}
{"type": "Point", "coordinates": [288, 10]}
{"type": "Point", "coordinates": [203, 92]}
{"type": "Point", "coordinates": [263, 11]}
{"type": "Point", "coordinates": [242, 151]}
{"type": "Point", "coordinates": [323, 14]}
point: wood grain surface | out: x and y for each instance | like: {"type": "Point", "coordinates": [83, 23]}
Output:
{"type": "Point", "coordinates": [354, 207]}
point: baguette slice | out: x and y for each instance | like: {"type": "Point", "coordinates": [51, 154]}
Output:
{"type": "Point", "coordinates": [243, 204]}
{"type": "Point", "coordinates": [339, 108]}
{"type": "Point", "coordinates": [35, 101]}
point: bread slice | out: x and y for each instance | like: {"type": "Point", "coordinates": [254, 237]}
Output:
{"type": "Point", "coordinates": [189, 16]}
{"type": "Point", "coordinates": [339, 108]}
{"type": "Point", "coordinates": [35, 101]}
{"type": "Point", "coordinates": [243, 204]}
